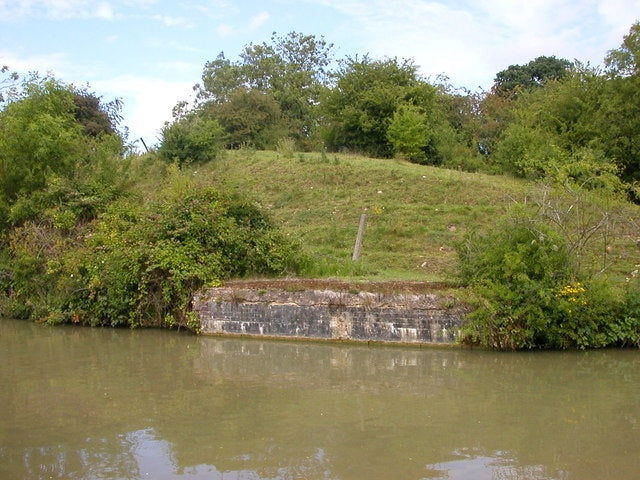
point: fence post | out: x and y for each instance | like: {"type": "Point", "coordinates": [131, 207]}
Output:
{"type": "Point", "coordinates": [358, 246]}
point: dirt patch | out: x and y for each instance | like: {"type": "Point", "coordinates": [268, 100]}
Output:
{"type": "Point", "coordinates": [301, 284]}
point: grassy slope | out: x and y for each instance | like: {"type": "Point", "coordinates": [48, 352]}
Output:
{"type": "Point", "coordinates": [415, 213]}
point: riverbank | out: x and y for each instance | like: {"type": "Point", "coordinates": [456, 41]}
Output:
{"type": "Point", "coordinates": [385, 312]}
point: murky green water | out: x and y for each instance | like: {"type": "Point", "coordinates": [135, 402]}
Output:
{"type": "Point", "coordinates": [118, 404]}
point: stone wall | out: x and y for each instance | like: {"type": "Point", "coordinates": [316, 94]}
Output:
{"type": "Point", "coordinates": [330, 315]}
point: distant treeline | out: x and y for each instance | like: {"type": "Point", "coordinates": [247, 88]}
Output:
{"type": "Point", "coordinates": [549, 117]}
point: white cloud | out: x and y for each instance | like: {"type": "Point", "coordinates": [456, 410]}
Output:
{"type": "Point", "coordinates": [224, 30]}
{"type": "Point", "coordinates": [216, 9]}
{"type": "Point", "coordinates": [148, 102]}
{"type": "Point", "coordinates": [56, 63]}
{"type": "Point", "coordinates": [472, 40]}
{"type": "Point", "coordinates": [439, 37]}
{"type": "Point", "coordinates": [104, 11]}
{"type": "Point", "coordinates": [619, 14]}
{"type": "Point", "coordinates": [55, 9]}
{"type": "Point", "coordinates": [170, 21]}
{"type": "Point", "coordinates": [258, 20]}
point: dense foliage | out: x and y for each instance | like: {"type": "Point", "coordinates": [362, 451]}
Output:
{"type": "Point", "coordinates": [191, 139]}
{"type": "Point", "coordinates": [534, 74]}
{"type": "Point", "coordinates": [538, 278]}
{"type": "Point", "coordinates": [278, 83]}
{"type": "Point", "coordinates": [91, 236]}
{"type": "Point", "coordinates": [50, 131]}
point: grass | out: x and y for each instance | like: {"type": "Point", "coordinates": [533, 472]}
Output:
{"type": "Point", "coordinates": [415, 214]}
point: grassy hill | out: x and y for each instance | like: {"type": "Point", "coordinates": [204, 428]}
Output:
{"type": "Point", "coordinates": [415, 213]}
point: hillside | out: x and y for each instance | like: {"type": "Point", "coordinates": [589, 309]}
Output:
{"type": "Point", "coordinates": [415, 214]}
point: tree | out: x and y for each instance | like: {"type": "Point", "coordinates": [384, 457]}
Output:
{"type": "Point", "coordinates": [7, 84]}
{"type": "Point", "coordinates": [531, 75]}
{"type": "Point", "coordinates": [43, 132]}
{"type": "Point", "coordinates": [56, 142]}
{"type": "Point", "coordinates": [557, 132]}
{"type": "Point", "coordinates": [291, 69]}
{"type": "Point", "coordinates": [367, 93]}
{"type": "Point", "coordinates": [423, 135]}
{"type": "Point", "coordinates": [95, 117]}
{"type": "Point", "coordinates": [409, 133]}
{"type": "Point", "coordinates": [249, 117]}
{"type": "Point", "coordinates": [194, 138]}
{"type": "Point", "coordinates": [619, 120]}
{"type": "Point", "coordinates": [625, 60]}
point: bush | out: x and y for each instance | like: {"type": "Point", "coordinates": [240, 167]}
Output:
{"type": "Point", "coordinates": [513, 273]}
{"type": "Point", "coordinates": [286, 147]}
{"type": "Point", "coordinates": [409, 134]}
{"type": "Point", "coordinates": [142, 265]}
{"type": "Point", "coordinates": [527, 293]}
{"type": "Point", "coordinates": [191, 139]}
{"type": "Point", "coordinates": [628, 327]}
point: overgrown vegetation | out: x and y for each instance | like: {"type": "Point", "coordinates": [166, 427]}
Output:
{"type": "Point", "coordinates": [92, 235]}
{"type": "Point", "coordinates": [540, 278]}
{"type": "Point", "coordinates": [91, 232]}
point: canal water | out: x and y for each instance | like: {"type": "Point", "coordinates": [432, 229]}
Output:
{"type": "Point", "coordinates": [84, 403]}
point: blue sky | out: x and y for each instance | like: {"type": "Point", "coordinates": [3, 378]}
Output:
{"type": "Point", "coordinates": [150, 53]}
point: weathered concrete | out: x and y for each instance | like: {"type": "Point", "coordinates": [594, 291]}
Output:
{"type": "Point", "coordinates": [330, 315]}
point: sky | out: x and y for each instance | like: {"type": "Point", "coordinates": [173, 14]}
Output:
{"type": "Point", "coordinates": [150, 53]}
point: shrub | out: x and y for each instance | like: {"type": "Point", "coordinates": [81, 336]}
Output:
{"type": "Point", "coordinates": [627, 328]}
{"type": "Point", "coordinates": [136, 263]}
{"type": "Point", "coordinates": [142, 265]}
{"type": "Point", "coordinates": [513, 273]}
{"type": "Point", "coordinates": [529, 293]}
{"type": "Point", "coordinates": [286, 147]}
{"type": "Point", "coordinates": [409, 133]}
{"type": "Point", "coordinates": [191, 139]}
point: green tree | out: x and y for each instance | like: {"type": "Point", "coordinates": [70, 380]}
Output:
{"type": "Point", "coordinates": [409, 133]}
{"type": "Point", "coordinates": [8, 83]}
{"type": "Point", "coordinates": [619, 122]}
{"type": "Point", "coordinates": [43, 136]}
{"type": "Point", "coordinates": [531, 75]}
{"type": "Point", "coordinates": [558, 132]}
{"type": "Point", "coordinates": [291, 69]}
{"type": "Point", "coordinates": [366, 95]}
{"type": "Point", "coordinates": [193, 138]}
{"type": "Point", "coordinates": [248, 117]}
{"type": "Point", "coordinates": [38, 135]}
{"type": "Point", "coordinates": [624, 61]}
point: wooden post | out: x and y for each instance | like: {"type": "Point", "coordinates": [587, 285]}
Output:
{"type": "Point", "coordinates": [358, 246]}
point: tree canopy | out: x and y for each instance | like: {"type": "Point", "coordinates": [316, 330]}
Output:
{"type": "Point", "coordinates": [49, 129]}
{"type": "Point", "coordinates": [289, 72]}
{"type": "Point", "coordinates": [531, 75]}
{"type": "Point", "coordinates": [536, 120]}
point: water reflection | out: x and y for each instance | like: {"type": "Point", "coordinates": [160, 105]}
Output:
{"type": "Point", "coordinates": [500, 466]}
{"type": "Point", "coordinates": [93, 404]}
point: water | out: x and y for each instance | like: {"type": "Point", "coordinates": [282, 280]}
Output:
{"type": "Point", "coordinates": [117, 404]}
